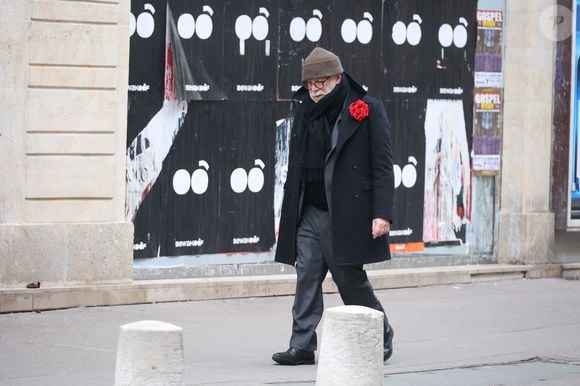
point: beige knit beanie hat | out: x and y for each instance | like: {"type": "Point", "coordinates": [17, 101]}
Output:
{"type": "Point", "coordinates": [320, 63]}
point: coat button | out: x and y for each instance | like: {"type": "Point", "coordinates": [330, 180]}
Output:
{"type": "Point", "coordinates": [354, 166]}
{"type": "Point", "coordinates": [355, 195]}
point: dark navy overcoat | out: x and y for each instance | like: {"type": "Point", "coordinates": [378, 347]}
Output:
{"type": "Point", "coordinates": [359, 183]}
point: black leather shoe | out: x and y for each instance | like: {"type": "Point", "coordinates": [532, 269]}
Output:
{"type": "Point", "coordinates": [388, 350]}
{"type": "Point", "coordinates": [294, 356]}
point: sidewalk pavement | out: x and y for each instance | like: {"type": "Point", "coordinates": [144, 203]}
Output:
{"type": "Point", "coordinates": [506, 332]}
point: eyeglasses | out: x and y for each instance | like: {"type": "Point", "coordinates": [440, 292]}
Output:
{"type": "Point", "coordinates": [315, 84]}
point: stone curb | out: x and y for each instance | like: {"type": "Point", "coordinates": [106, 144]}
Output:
{"type": "Point", "coordinates": [156, 291]}
{"type": "Point", "coordinates": [571, 271]}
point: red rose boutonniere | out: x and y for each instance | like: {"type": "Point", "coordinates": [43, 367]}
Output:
{"type": "Point", "coordinates": [359, 110]}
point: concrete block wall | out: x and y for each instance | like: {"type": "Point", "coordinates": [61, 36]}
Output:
{"type": "Point", "coordinates": [63, 107]}
{"type": "Point", "coordinates": [526, 224]}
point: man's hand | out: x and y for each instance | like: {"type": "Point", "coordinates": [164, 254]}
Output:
{"type": "Point", "coordinates": [380, 227]}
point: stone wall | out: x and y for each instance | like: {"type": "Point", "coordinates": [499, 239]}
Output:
{"type": "Point", "coordinates": [526, 223]}
{"type": "Point", "coordinates": [63, 106]}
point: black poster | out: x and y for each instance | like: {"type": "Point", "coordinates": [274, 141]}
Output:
{"type": "Point", "coordinates": [215, 192]}
{"type": "Point", "coordinates": [201, 26]}
{"type": "Point", "coordinates": [357, 40]}
{"type": "Point", "coordinates": [303, 26]}
{"type": "Point", "coordinates": [429, 51]}
{"type": "Point", "coordinates": [146, 64]}
{"type": "Point", "coordinates": [429, 48]}
{"type": "Point", "coordinates": [351, 31]}
{"type": "Point", "coordinates": [205, 175]}
{"type": "Point", "coordinates": [250, 49]}
{"type": "Point", "coordinates": [408, 139]}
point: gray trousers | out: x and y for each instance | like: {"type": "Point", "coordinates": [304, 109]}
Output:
{"type": "Point", "coordinates": [313, 261]}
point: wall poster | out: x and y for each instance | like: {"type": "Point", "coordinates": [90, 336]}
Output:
{"type": "Point", "coordinates": [574, 208]}
{"type": "Point", "coordinates": [488, 94]}
{"type": "Point", "coordinates": [209, 114]}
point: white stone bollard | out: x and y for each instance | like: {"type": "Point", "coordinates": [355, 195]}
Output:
{"type": "Point", "coordinates": [149, 353]}
{"type": "Point", "coordinates": [351, 351]}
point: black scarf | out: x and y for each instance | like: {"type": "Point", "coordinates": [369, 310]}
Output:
{"type": "Point", "coordinates": [319, 119]}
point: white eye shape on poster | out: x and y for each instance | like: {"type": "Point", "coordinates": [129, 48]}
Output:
{"type": "Point", "coordinates": [312, 29]}
{"type": "Point", "coordinates": [412, 34]}
{"type": "Point", "coordinates": [188, 26]}
{"type": "Point", "coordinates": [198, 181]}
{"type": "Point", "coordinates": [245, 27]}
{"type": "Point", "coordinates": [253, 180]}
{"type": "Point", "coordinates": [407, 175]}
{"type": "Point", "coordinates": [458, 35]}
{"type": "Point", "coordinates": [144, 24]}
{"type": "Point", "coordinates": [363, 31]}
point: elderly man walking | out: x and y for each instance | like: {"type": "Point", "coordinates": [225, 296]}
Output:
{"type": "Point", "coordinates": [338, 198]}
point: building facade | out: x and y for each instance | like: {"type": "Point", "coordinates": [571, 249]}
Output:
{"type": "Point", "coordinates": [70, 134]}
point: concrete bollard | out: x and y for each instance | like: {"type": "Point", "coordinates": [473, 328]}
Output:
{"type": "Point", "coordinates": [149, 353]}
{"type": "Point", "coordinates": [351, 351]}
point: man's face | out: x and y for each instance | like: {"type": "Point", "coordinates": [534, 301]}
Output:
{"type": "Point", "coordinates": [320, 87]}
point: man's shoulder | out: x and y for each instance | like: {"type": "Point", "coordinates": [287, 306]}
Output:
{"type": "Point", "coordinates": [371, 100]}
{"type": "Point", "coordinates": [374, 103]}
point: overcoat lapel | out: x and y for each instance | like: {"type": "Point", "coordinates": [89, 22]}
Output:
{"type": "Point", "coordinates": [349, 125]}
